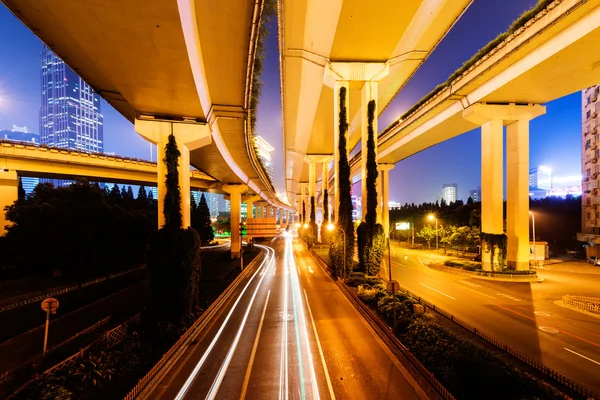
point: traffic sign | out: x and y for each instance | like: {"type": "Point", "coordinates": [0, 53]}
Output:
{"type": "Point", "coordinates": [50, 305]}
{"type": "Point", "coordinates": [393, 286]}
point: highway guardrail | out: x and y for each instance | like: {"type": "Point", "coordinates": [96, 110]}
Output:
{"type": "Point", "coordinates": [149, 381]}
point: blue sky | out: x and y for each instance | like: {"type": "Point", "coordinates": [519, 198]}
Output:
{"type": "Point", "coordinates": [555, 138]}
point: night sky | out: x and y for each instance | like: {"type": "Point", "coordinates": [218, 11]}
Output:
{"type": "Point", "coordinates": [555, 138]}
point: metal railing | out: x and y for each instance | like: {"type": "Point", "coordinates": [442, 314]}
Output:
{"type": "Point", "coordinates": [161, 367]}
{"type": "Point", "coordinates": [62, 290]}
{"type": "Point", "coordinates": [589, 304]}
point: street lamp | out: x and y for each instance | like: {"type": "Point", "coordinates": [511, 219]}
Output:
{"type": "Point", "coordinates": [305, 226]}
{"type": "Point", "coordinates": [533, 228]}
{"type": "Point", "coordinates": [332, 227]}
{"type": "Point", "coordinates": [432, 217]}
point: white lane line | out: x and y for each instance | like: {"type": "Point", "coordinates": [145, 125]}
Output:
{"type": "Point", "coordinates": [223, 370]}
{"type": "Point", "coordinates": [476, 291]}
{"type": "Point", "coordinates": [435, 290]}
{"type": "Point", "coordinates": [192, 376]}
{"type": "Point", "coordinates": [327, 378]}
{"type": "Point", "coordinates": [253, 354]}
{"type": "Point", "coordinates": [582, 356]}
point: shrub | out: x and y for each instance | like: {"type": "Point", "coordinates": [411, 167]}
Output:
{"type": "Point", "coordinates": [355, 279]}
{"type": "Point", "coordinates": [466, 265]}
{"type": "Point", "coordinates": [393, 305]}
{"type": "Point", "coordinates": [370, 294]}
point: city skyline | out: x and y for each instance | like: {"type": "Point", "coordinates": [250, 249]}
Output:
{"type": "Point", "coordinates": [555, 137]}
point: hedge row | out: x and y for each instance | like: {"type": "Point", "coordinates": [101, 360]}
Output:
{"type": "Point", "coordinates": [465, 368]}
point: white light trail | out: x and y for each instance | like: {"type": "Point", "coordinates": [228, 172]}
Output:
{"type": "Point", "coordinates": [268, 259]}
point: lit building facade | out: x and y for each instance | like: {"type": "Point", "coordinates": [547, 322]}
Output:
{"type": "Point", "coordinates": [70, 111]}
{"type": "Point", "coordinates": [449, 192]}
{"type": "Point", "coordinates": [264, 150]}
{"type": "Point", "coordinates": [590, 169]}
{"type": "Point", "coordinates": [475, 194]}
{"type": "Point", "coordinates": [540, 182]}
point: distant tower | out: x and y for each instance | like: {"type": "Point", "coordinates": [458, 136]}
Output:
{"type": "Point", "coordinates": [449, 192]}
{"type": "Point", "coordinates": [70, 112]}
{"type": "Point", "coordinates": [264, 150]}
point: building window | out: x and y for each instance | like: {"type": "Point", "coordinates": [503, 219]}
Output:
{"type": "Point", "coordinates": [587, 216]}
{"type": "Point", "coordinates": [588, 201]}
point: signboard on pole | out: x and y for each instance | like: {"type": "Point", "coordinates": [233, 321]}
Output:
{"type": "Point", "coordinates": [50, 305]}
{"type": "Point", "coordinates": [402, 226]}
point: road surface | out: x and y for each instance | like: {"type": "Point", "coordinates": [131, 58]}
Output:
{"type": "Point", "coordinates": [289, 333]}
{"type": "Point", "coordinates": [522, 315]}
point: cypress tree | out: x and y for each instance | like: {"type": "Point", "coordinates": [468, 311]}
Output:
{"type": "Point", "coordinates": [142, 198]}
{"type": "Point", "coordinates": [303, 212]}
{"type": "Point", "coordinates": [205, 229]}
{"type": "Point", "coordinates": [325, 216]}
{"type": "Point", "coordinates": [21, 192]}
{"type": "Point", "coordinates": [372, 173]}
{"type": "Point", "coordinates": [129, 192]}
{"type": "Point", "coordinates": [114, 196]}
{"type": "Point", "coordinates": [172, 203]}
{"type": "Point", "coordinates": [345, 199]}
{"type": "Point", "coordinates": [150, 195]}
{"type": "Point", "coordinates": [193, 205]}
{"type": "Point", "coordinates": [123, 192]}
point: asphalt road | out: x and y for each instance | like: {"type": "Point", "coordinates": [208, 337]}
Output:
{"type": "Point", "coordinates": [522, 315]}
{"type": "Point", "coordinates": [289, 333]}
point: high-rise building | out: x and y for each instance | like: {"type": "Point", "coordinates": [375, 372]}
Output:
{"type": "Point", "coordinates": [264, 150]}
{"type": "Point", "coordinates": [590, 169]}
{"type": "Point", "coordinates": [449, 192]}
{"type": "Point", "coordinates": [540, 181]}
{"type": "Point", "coordinates": [475, 194]}
{"type": "Point", "coordinates": [70, 111]}
{"type": "Point", "coordinates": [22, 134]}
{"type": "Point", "coordinates": [213, 204]}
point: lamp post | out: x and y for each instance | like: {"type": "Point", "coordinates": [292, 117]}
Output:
{"type": "Point", "coordinates": [332, 227]}
{"type": "Point", "coordinates": [432, 217]}
{"type": "Point", "coordinates": [533, 228]}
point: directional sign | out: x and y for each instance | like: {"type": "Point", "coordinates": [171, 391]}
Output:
{"type": "Point", "coordinates": [50, 305]}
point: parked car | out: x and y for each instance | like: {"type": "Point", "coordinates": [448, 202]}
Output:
{"type": "Point", "coordinates": [594, 260]}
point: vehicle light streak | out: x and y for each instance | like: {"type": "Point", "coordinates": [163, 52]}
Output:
{"type": "Point", "coordinates": [268, 259]}
{"type": "Point", "coordinates": [223, 370]}
{"type": "Point", "coordinates": [302, 342]}
{"type": "Point", "coordinates": [283, 368]}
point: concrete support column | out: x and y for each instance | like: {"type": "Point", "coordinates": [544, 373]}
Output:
{"type": "Point", "coordinates": [336, 137]}
{"type": "Point", "coordinates": [492, 118]}
{"type": "Point", "coordinates": [188, 137]}
{"type": "Point", "coordinates": [235, 201]}
{"type": "Point", "coordinates": [249, 200]}
{"type": "Point", "coordinates": [312, 184]}
{"type": "Point", "coordinates": [368, 93]}
{"type": "Point", "coordinates": [9, 193]}
{"type": "Point", "coordinates": [268, 209]}
{"type": "Point", "coordinates": [517, 194]}
{"type": "Point", "coordinates": [383, 212]}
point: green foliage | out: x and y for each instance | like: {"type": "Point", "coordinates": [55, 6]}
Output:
{"type": "Point", "coordinates": [175, 270]}
{"type": "Point", "coordinates": [172, 204]}
{"type": "Point", "coordinates": [427, 233]}
{"type": "Point", "coordinates": [395, 305]}
{"type": "Point", "coordinates": [490, 243]}
{"type": "Point", "coordinates": [372, 173]}
{"type": "Point", "coordinates": [114, 196]}
{"type": "Point", "coordinates": [101, 237]}
{"type": "Point", "coordinates": [303, 212]}
{"type": "Point", "coordinates": [313, 219]}
{"type": "Point", "coordinates": [21, 192]}
{"type": "Point", "coordinates": [345, 199]}
{"type": "Point", "coordinates": [466, 265]}
{"type": "Point", "coordinates": [362, 241]}
{"type": "Point", "coordinates": [463, 238]}
{"type": "Point", "coordinates": [376, 251]}
{"type": "Point", "coordinates": [142, 197]}
{"type": "Point", "coordinates": [371, 294]}
{"type": "Point", "coordinates": [467, 369]}
{"type": "Point", "coordinates": [325, 206]}
{"type": "Point", "coordinates": [202, 223]}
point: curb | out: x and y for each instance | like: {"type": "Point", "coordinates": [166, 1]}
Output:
{"type": "Point", "coordinates": [456, 271]}
{"type": "Point", "coordinates": [589, 314]}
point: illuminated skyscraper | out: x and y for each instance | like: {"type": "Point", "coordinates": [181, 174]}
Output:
{"type": "Point", "coordinates": [70, 111]}
{"type": "Point", "coordinates": [264, 150]}
{"type": "Point", "coordinates": [449, 192]}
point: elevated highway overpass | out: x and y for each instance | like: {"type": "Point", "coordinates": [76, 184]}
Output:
{"type": "Point", "coordinates": [370, 48]}
{"type": "Point", "coordinates": [170, 67]}
{"type": "Point", "coordinates": [549, 57]}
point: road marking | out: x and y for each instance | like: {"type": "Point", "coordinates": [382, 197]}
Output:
{"type": "Point", "coordinates": [508, 296]}
{"type": "Point", "coordinates": [435, 290]}
{"type": "Point", "coordinates": [582, 356]}
{"type": "Point", "coordinates": [548, 329]}
{"type": "Point", "coordinates": [253, 354]}
{"type": "Point", "coordinates": [470, 284]}
{"type": "Point", "coordinates": [327, 378]}
{"type": "Point", "coordinates": [310, 270]}
{"type": "Point", "coordinates": [476, 291]}
{"type": "Point", "coordinates": [541, 313]}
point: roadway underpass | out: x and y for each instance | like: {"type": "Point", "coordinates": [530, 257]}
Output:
{"type": "Point", "coordinates": [288, 333]}
{"type": "Point", "coordinates": [522, 315]}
